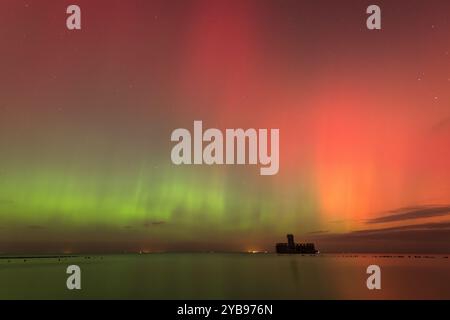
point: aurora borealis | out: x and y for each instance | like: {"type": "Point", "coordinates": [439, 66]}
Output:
{"type": "Point", "coordinates": [86, 118]}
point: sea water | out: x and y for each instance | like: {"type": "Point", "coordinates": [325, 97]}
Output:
{"type": "Point", "coordinates": [227, 276]}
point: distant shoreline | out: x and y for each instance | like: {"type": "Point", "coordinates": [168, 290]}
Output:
{"type": "Point", "coordinates": [344, 255]}
{"type": "Point", "coordinates": [40, 257]}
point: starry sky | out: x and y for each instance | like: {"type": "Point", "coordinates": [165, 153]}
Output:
{"type": "Point", "coordinates": [86, 118]}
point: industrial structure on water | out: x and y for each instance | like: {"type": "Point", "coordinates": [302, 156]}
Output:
{"type": "Point", "coordinates": [292, 247]}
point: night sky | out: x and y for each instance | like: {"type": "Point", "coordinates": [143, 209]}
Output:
{"type": "Point", "coordinates": [86, 118]}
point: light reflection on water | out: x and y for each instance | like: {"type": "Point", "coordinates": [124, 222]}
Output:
{"type": "Point", "coordinates": [228, 276]}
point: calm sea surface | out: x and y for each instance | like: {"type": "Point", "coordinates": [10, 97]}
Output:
{"type": "Point", "coordinates": [227, 276]}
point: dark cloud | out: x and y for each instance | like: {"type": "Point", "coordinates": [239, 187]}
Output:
{"type": "Point", "coordinates": [384, 231]}
{"type": "Point", "coordinates": [423, 226]}
{"type": "Point", "coordinates": [425, 238]}
{"type": "Point", "coordinates": [153, 223]}
{"type": "Point", "coordinates": [410, 213]}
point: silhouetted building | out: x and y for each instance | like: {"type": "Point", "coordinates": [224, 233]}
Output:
{"type": "Point", "coordinates": [292, 247]}
{"type": "Point", "coordinates": [291, 243]}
